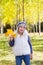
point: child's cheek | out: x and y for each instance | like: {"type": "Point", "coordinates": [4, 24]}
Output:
{"type": "Point", "coordinates": [21, 30]}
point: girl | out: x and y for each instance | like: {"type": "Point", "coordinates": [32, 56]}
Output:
{"type": "Point", "coordinates": [21, 45]}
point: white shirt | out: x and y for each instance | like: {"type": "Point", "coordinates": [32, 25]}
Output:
{"type": "Point", "coordinates": [21, 46]}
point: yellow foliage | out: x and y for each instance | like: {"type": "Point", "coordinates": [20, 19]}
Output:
{"type": "Point", "coordinates": [10, 10]}
{"type": "Point", "coordinates": [10, 32]}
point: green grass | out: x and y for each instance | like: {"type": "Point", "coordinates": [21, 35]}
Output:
{"type": "Point", "coordinates": [4, 48]}
{"type": "Point", "coordinates": [37, 63]}
{"type": "Point", "coordinates": [37, 46]}
{"type": "Point", "coordinates": [4, 45]}
{"type": "Point", "coordinates": [5, 62]}
{"type": "Point", "coordinates": [36, 36]}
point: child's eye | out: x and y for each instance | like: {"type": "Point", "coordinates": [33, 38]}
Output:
{"type": "Point", "coordinates": [24, 27]}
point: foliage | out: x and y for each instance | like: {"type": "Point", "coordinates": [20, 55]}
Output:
{"type": "Point", "coordinates": [11, 9]}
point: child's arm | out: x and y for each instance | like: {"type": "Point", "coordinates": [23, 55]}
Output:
{"type": "Point", "coordinates": [31, 51]}
{"type": "Point", "coordinates": [30, 44]}
{"type": "Point", "coordinates": [11, 41]}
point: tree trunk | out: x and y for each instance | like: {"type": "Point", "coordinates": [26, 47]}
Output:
{"type": "Point", "coordinates": [23, 8]}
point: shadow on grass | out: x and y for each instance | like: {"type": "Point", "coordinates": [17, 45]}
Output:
{"type": "Point", "coordinates": [37, 63]}
{"type": "Point", "coordinates": [5, 62]}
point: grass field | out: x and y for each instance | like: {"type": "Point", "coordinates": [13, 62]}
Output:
{"type": "Point", "coordinates": [7, 58]}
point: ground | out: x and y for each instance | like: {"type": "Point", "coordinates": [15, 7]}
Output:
{"type": "Point", "coordinates": [7, 57]}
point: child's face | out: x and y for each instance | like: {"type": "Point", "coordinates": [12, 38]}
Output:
{"type": "Point", "coordinates": [21, 29]}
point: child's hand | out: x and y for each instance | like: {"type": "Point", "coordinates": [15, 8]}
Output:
{"type": "Point", "coordinates": [11, 37]}
{"type": "Point", "coordinates": [31, 56]}
{"type": "Point", "coordinates": [11, 40]}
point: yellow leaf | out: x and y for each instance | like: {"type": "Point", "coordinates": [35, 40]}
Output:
{"type": "Point", "coordinates": [10, 32]}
